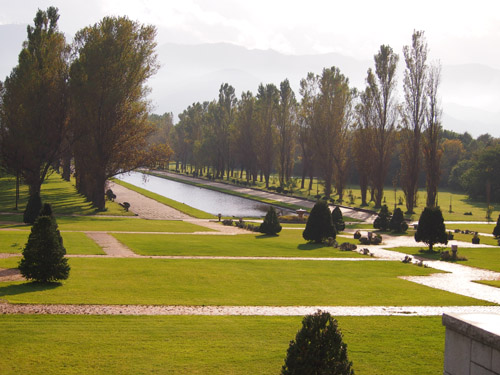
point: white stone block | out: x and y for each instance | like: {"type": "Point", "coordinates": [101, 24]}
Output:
{"type": "Point", "coordinates": [478, 370]}
{"type": "Point", "coordinates": [481, 354]}
{"type": "Point", "coordinates": [457, 353]}
{"type": "Point", "coordinates": [495, 361]}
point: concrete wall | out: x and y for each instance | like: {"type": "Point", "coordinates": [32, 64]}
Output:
{"type": "Point", "coordinates": [472, 344]}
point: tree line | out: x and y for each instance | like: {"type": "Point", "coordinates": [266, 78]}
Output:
{"type": "Point", "coordinates": [80, 106]}
{"type": "Point", "coordinates": [337, 133]}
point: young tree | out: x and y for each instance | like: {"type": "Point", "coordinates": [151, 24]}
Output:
{"type": "Point", "coordinates": [413, 115]}
{"type": "Point", "coordinates": [43, 257]}
{"type": "Point", "coordinates": [271, 225]}
{"type": "Point", "coordinates": [431, 229]}
{"type": "Point", "coordinates": [398, 223]}
{"type": "Point", "coordinates": [318, 348]}
{"type": "Point", "coordinates": [110, 123]}
{"type": "Point", "coordinates": [338, 219]}
{"type": "Point", "coordinates": [382, 86]}
{"type": "Point", "coordinates": [383, 218]}
{"type": "Point", "coordinates": [319, 225]}
{"type": "Point", "coordinates": [432, 134]}
{"type": "Point", "coordinates": [34, 113]}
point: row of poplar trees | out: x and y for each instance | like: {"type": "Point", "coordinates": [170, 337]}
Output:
{"type": "Point", "coordinates": [84, 101]}
{"type": "Point", "coordinates": [332, 124]}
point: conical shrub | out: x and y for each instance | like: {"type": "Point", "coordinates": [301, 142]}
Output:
{"type": "Point", "coordinates": [271, 225]}
{"type": "Point", "coordinates": [319, 225]}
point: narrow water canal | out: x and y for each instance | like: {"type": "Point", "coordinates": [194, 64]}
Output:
{"type": "Point", "coordinates": [206, 200]}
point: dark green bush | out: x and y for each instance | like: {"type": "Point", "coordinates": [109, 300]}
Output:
{"type": "Point", "coordinates": [318, 348]}
{"type": "Point", "coordinates": [397, 222]}
{"type": "Point", "coordinates": [271, 225]}
{"type": "Point", "coordinates": [110, 195]}
{"type": "Point", "coordinates": [496, 230]}
{"type": "Point", "coordinates": [43, 257]}
{"type": "Point", "coordinates": [382, 220]}
{"type": "Point", "coordinates": [431, 229]}
{"type": "Point", "coordinates": [338, 219]}
{"type": "Point", "coordinates": [319, 225]}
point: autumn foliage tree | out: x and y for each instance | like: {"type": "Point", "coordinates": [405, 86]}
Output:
{"type": "Point", "coordinates": [115, 57]}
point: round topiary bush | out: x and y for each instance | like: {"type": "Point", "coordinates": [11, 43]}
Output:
{"type": "Point", "coordinates": [338, 219]}
{"type": "Point", "coordinates": [431, 229]}
{"type": "Point", "coordinates": [382, 220]}
{"type": "Point", "coordinates": [318, 348]}
{"type": "Point", "coordinates": [271, 225]}
{"type": "Point", "coordinates": [397, 222]}
{"type": "Point", "coordinates": [319, 225]}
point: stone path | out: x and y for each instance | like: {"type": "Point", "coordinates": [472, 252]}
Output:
{"type": "Point", "coordinates": [110, 245]}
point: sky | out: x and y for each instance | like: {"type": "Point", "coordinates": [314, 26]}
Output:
{"type": "Point", "coordinates": [457, 31]}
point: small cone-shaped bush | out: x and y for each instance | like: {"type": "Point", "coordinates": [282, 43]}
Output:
{"type": "Point", "coordinates": [338, 219]}
{"type": "Point", "coordinates": [271, 224]}
{"type": "Point", "coordinates": [319, 225]}
{"type": "Point", "coordinates": [431, 229]}
{"type": "Point", "coordinates": [318, 348]}
{"type": "Point", "coordinates": [382, 220]}
{"type": "Point", "coordinates": [43, 257]}
{"type": "Point", "coordinates": [496, 230]}
{"type": "Point", "coordinates": [32, 209]}
{"type": "Point", "coordinates": [398, 223]}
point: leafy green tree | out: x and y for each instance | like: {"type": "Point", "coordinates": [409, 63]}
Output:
{"type": "Point", "coordinates": [338, 219]}
{"type": "Point", "coordinates": [43, 257]}
{"type": "Point", "coordinates": [496, 230]}
{"type": "Point", "coordinates": [110, 123]}
{"type": "Point", "coordinates": [319, 225]}
{"type": "Point", "coordinates": [271, 225]}
{"type": "Point", "coordinates": [35, 109]}
{"type": "Point", "coordinates": [383, 219]}
{"type": "Point", "coordinates": [398, 223]}
{"type": "Point", "coordinates": [318, 348]}
{"type": "Point", "coordinates": [287, 131]}
{"type": "Point", "coordinates": [431, 229]}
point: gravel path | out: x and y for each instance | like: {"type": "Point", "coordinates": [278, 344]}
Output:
{"type": "Point", "coordinates": [242, 310]}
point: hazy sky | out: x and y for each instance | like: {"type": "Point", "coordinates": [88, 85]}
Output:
{"type": "Point", "coordinates": [457, 31]}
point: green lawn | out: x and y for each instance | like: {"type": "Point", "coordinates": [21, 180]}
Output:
{"type": "Point", "coordinates": [188, 210]}
{"type": "Point", "coordinates": [233, 282]}
{"type": "Point", "coordinates": [206, 344]}
{"type": "Point", "coordinates": [289, 243]}
{"type": "Point", "coordinates": [121, 224]}
{"type": "Point", "coordinates": [60, 194]}
{"type": "Point", "coordinates": [75, 243]}
{"type": "Point", "coordinates": [495, 283]}
{"type": "Point", "coordinates": [481, 228]}
{"type": "Point", "coordinates": [484, 240]}
{"type": "Point", "coordinates": [485, 257]}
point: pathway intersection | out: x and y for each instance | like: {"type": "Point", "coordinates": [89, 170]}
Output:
{"type": "Point", "coordinates": [456, 279]}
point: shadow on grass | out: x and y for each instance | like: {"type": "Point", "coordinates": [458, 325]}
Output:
{"type": "Point", "coordinates": [311, 246]}
{"type": "Point", "coordinates": [12, 290]}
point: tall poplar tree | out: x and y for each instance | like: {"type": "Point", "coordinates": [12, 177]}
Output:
{"type": "Point", "coordinates": [110, 123]}
{"type": "Point", "coordinates": [413, 116]}
{"type": "Point", "coordinates": [34, 113]}
{"type": "Point", "coordinates": [287, 131]}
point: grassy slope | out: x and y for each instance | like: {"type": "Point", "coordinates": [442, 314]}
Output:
{"type": "Point", "coordinates": [59, 193]}
{"type": "Point", "coordinates": [199, 345]}
{"type": "Point", "coordinates": [289, 243]}
{"type": "Point", "coordinates": [233, 282]}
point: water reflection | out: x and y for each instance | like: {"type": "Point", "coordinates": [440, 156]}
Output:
{"type": "Point", "coordinates": [203, 199]}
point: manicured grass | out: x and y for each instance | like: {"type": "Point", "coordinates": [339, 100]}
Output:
{"type": "Point", "coordinates": [188, 210]}
{"type": "Point", "coordinates": [495, 283]}
{"type": "Point", "coordinates": [75, 243]}
{"type": "Point", "coordinates": [122, 224]}
{"type": "Point", "coordinates": [60, 194]}
{"type": "Point", "coordinates": [480, 228]}
{"type": "Point", "coordinates": [483, 240]}
{"type": "Point", "coordinates": [199, 344]}
{"type": "Point", "coordinates": [480, 257]}
{"type": "Point", "coordinates": [234, 282]}
{"type": "Point", "coordinates": [289, 243]}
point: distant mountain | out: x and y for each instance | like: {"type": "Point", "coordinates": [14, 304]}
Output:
{"type": "Point", "coordinates": [190, 73]}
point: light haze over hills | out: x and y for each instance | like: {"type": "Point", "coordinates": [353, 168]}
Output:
{"type": "Point", "coordinates": [189, 73]}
